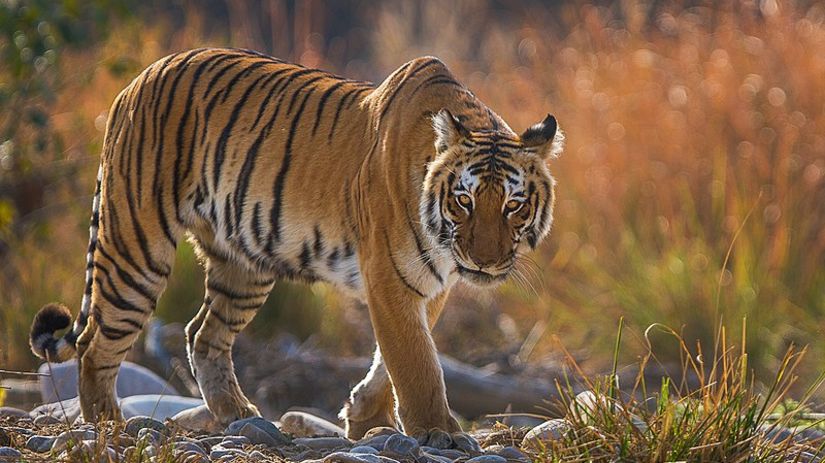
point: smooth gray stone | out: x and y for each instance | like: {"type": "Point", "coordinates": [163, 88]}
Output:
{"type": "Point", "coordinates": [487, 459]}
{"type": "Point", "coordinates": [9, 453]}
{"type": "Point", "coordinates": [40, 444]}
{"type": "Point", "coordinates": [257, 455]}
{"type": "Point", "coordinates": [198, 419]}
{"type": "Point", "coordinates": [401, 445]}
{"type": "Point", "coordinates": [132, 379]}
{"type": "Point", "coordinates": [303, 424]}
{"type": "Point", "coordinates": [235, 442]}
{"type": "Point", "coordinates": [151, 436]}
{"type": "Point", "coordinates": [365, 449]}
{"type": "Point", "coordinates": [347, 457]}
{"type": "Point", "coordinates": [376, 442]}
{"type": "Point", "coordinates": [189, 447]}
{"type": "Point", "coordinates": [432, 450]}
{"type": "Point", "coordinates": [512, 453]}
{"type": "Point", "coordinates": [323, 443]}
{"type": "Point", "coordinates": [211, 440]}
{"type": "Point", "coordinates": [452, 454]}
{"type": "Point", "coordinates": [430, 458]}
{"type": "Point", "coordinates": [159, 407]}
{"type": "Point", "coordinates": [263, 425]}
{"type": "Point", "coordinates": [438, 439]}
{"type": "Point", "coordinates": [464, 442]}
{"type": "Point", "coordinates": [549, 431]}
{"type": "Point", "coordinates": [46, 420]}
{"type": "Point", "coordinates": [19, 430]}
{"type": "Point", "coordinates": [137, 423]}
{"type": "Point", "coordinates": [221, 453]}
{"type": "Point", "coordinates": [65, 411]}
{"type": "Point", "coordinates": [75, 436]}
{"type": "Point", "coordinates": [257, 435]}
{"type": "Point", "coordinates": [13, 412]}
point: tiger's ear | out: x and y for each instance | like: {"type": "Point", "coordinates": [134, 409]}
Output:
{"type": "Point", "coordinates": [448, 130]}
{"type": "Point", "coordinates": [545, 138]}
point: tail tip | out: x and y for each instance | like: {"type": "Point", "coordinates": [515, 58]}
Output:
{"type": "Point", "coordinates": [49, 319]}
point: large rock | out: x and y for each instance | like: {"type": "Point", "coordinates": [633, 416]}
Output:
{"type": "Point", "coordinates": [303, 424]}
{"type": "Point", "coordinates": [542, 435]}
{"type": "Point", "coordinates": [198, 419]}
{"type": "Point", "coordinates": [65, 411]}
{"type": "Point", "coordinates": [159, 407]}
{"type": "Point", "coordinates": [132, 380]}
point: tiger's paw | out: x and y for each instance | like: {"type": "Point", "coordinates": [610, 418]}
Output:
{"type": "Point", "coordinates": [357, 424]}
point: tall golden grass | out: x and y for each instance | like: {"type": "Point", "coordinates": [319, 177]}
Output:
{"type": "Point", "coordinates": [681, 122]}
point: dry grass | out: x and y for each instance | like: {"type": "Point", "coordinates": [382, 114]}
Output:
{"type": "Point", "coordinates": [728, 417]}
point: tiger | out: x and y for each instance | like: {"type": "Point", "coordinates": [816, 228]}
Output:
{"type": "Point", "coordinates": [275, 171]}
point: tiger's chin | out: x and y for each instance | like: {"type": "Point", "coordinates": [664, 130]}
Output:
{"type": "Point", "coordinates": [481, 278]}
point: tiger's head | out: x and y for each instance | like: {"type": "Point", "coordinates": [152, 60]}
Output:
{"type": "Point", "coordinates": [488, 195]}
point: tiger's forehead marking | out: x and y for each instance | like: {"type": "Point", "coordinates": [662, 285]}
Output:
{"type": "Point", "coordinates": [491, 162]}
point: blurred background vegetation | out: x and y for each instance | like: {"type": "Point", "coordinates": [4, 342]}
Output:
{"type": "Point", "coordinates": [692, 189]}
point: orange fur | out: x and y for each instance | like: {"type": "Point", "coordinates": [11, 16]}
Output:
{"type": "Point", "coordinates": [276, 171]}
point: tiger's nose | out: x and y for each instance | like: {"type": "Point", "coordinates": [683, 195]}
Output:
{"type": "Point", "coordinates": [485, 261]}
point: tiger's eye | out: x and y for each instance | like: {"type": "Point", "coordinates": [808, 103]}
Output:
{"type": "Point", "coordinates": [513, 205]}
{"type": "Point", "coordinates": [464, 200]}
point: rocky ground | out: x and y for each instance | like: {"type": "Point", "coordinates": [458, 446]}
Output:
{"type": "Point", "coordinates": [298, 437]}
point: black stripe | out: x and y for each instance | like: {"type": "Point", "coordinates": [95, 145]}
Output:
{"type": "Point", "coordinates": [232, 294]}
{"type": "Point", "coordinates": [400, 85]}
{"type": "Point", "coordinates": [272, 94]}
{"type": "Point", "coordinates": [278, 188]}
{"type": "Point", "coordinates": [220, 149]}
{"type": "Point", "coordinates": [297, 91]}
{"type": "Point", "coordinates": [332, 259]}
{"type": "Point", "coordinates": [139, 235]}
{"type": "Point", "coordinates": [338, 112]}
{"type": "Point", "coordinates": [225, 321]}
{"type": "Point", "coordinates": [131, 322]}
{"type": "Point", "coordinates": [176, 178]}
{"type": "Point", "coordinates": [305, 257]}
{"type": "Point", "coordinates": [397, 270]}
{"type": "Point", "coordinates": [322, 103]}
{"type": "Point", "coordinates": [318, 244]}
{"type": "Point", "coordinates": [109, 332]}
{"type": "Point", "coordinates": [256, 223]}
{"type": "Point", "coordinates": [126, 277]}
{"type": "Point", "coordinates": [117, 300]}
{"type": "Point", "coordinates": [201, 343]}
{"type": "Point", "coordinates": [435, 80]}
{"type": "Point", "coordinates": [423, 254]}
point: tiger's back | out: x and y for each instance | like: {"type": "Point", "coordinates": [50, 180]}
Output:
{"type": "Point", "coordinates": [236, 139]}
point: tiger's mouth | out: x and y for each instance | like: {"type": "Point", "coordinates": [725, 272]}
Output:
{"type": "Point", "coordinates": [480, 277]}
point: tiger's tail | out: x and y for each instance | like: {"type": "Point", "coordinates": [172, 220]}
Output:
{"type": "Point", "coordinates": [54, 317]}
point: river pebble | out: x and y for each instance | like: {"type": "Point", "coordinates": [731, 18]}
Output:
{"type": "Point", "coordinates": [40, 444]}
{"type": "Point", "coordinates": [303, 424]}
{"type": "Point", "coordinates": [74, 436]}
{"type": "Point", "coordinates": [487, 459]}
{"type": "Point", "coordinates": [9, 453]}
{"type": "Point", "coordinates": [399, 445]}
{"type": "Point", "coordinates": [249, 427]}
{"type": "Point", "coordinates": [323, 443]}
{"type": "Point", "coordinates": [137, 423]}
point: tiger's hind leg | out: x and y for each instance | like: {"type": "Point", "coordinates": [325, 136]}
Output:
{"type": "Point", "coordinates": [233, 296]}
{"type": "Point", "coordinates": [129, 274]}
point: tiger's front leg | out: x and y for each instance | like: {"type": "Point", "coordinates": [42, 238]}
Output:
{"type": "Point", "coordinates": [399, 318]}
